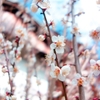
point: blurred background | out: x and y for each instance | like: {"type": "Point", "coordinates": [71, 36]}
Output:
{"type": "Point", "coordinates": [32, 82]}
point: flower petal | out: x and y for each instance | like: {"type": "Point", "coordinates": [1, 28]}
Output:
{"type": "Point", "coordinates": [65, 70]}
{"type": "Point", "coordinates": [54, 38]}
{"type": "Point", "coordinates": [96, 72]}
{"type": "Point", "coordinates": [61, 78]}
{"type": "Point", "coordinates": [92, 62]}
{"type": "Point", "coordinates": [98, 62]}
{"type": "Point", "coordinates": [53, 66]}
{"type": "Point", "coordinates": [77, 76]}
{"type": "Point", "coordinates": [74, 82]}
{"type": "Point", "coordinates": [61, 38]}
{"type": "Point", "coordinates": [53, 46]}
{"type": "Point", "coordinates": [60, 50]}
{"type": "Point", "coordinates": [52, 74]}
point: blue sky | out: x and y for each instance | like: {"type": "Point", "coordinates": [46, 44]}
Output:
{"type": "Point", "coordinates": [87, 22]}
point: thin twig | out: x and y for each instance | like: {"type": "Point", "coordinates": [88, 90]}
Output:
{"type": "Point", "coordinates": [7, 65]}
{"type": "Point", "coordinates": [54, 50]}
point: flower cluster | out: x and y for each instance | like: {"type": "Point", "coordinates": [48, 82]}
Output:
{"type": "Point", "coordinates": [60, 73]}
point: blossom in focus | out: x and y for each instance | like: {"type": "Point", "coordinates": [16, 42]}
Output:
{"type": "Point", "coordinates": [95, 34]}
{"type": "Point", "coordinates": [50, 58]}
{"type": "Point", "coordinates": [79, 80]}
{"type": "Point", "coordinates": [95, 65]}
{"type": "Point", "coordinates": [58, 43]}
{"type": "Point", "coordinates": [59, 73]}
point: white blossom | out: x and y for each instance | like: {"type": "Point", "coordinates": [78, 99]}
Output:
{"type": "Point", "coordinates": [21, 32]}
{"type": "Point", "coordinates": [34, 7]}
{"type": "Point", "coordinates": [79, 80]}
{"type": "Point", "coordinates": [95, 65]}
{"type": "Point", "coordinates": [59, 73]}
{"type": "Point", "coordinates": [75, 30]}
{"type": "Point", "coordinates": [41, 37]}
{"type": "Point", "coordinates": [50, 58]}
{"type": "Point", "coordinates": [58, 43]}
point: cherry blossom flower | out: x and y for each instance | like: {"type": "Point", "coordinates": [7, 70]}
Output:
{"type": "Point", "coordinates": [13, 97]}
{"type": "Point", "coordinates": [44, 4]}
{"type": "Point", "coordinates": [59, 73]}
{"type": "Point", "coordinates": [95, 34]}
{"type": "Point", "coordinates": [85, 54]}
{"type": "Point", "coordinates": [50, 58]}
{"type": "Point", "coordinates": [98, 2]}
{"type": "Point", "coordinates": [21, 32]}
{"type": "Point", "coordinates": [79, 80]}
{"type": "Point", "coordinates": [58, 43]}
{"type": "Point", "coordinates": [34, 7]}
{"type": "Point", "coordinates": [8, 45]}
{"type": "Point", "coordinates": [52, 23]}
{"type": "Point", "coordinates": [75, 30]}
{"type": "Point", "coordinates": [95, 65]}
{"type": "Point", "coordinates": [4, 69]}
{"type": "Point", "coordinates": [41, 37]}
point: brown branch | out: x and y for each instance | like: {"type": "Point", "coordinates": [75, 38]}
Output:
{"type": "Point", "coordinates": [54, 50]}
{"type": "Point", "coordinates": [7, 65]}
{"type": "Point", "coordinates": [77, 64]}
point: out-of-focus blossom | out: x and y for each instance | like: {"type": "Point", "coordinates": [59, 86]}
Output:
{"type": "Point", "coordinates": [41, 37]}
{"type": "Point", "coordinates": [13, 98]}
{"type": "Point", "coordinates": [1, 38]}
{"type": "Point", "coordinates": [75, 30]}
{"type": "Point", "coordinates": [85, 54]}
{"type": "Point", "coordinates": [44, 4]}
{"type": "Point", "coordinates": [79, 80]}
{"type": "Point", "coordinates": [15, 69]}
{"type": "Point", "coordinates": [52, 23]}
{"type": "Point", "coordinates": [50, 58]}
{"type": "Point", "coordinates": [41, 3]}
{"type": "Point", "coordinates": [90, 79]}
{"type": "Point", "coordinates": [95, 34]}
{"type": "Point", "coordinates": [57, 94]}
{"type": "Point", "coordinates": [59, 73]}
{"type": "Point", "coordinates": [98, 2]}
{"type": "Point", "coordinates": [15, 54]}
{"type": "Point", "coordinates": [58, 43]}
{"type": "Point", "coordinates": [21, 32]}
{"type": "Point", "coordinates": [95, 65]}
{"type": "Point", "coordinates": [8, 45]}
{"type": "Point", "coordinates": [4, 69]}
{"type": "Point", "coordinates": [34, 7]}
{"type": "Point", "coordinates": [38, 82]}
